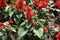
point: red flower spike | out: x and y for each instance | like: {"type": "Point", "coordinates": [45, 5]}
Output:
{"type": "Point", "coordinates": [19, 5]}
{"type": "Point", "coordinates": [29, 18]}
{"type": "Point", "coordinates": [28, 8]}
{"type": "Point", "coordinates": [19, 10]}
{"type": "Point", "coordinates": [10, 21]}
{"type": "Point", "coordinates": [2, 3]}
{"type": "Point", "coordinates": [48, 8]}
{"type": "Point", "coordinates": [36, 2]}
{"type": "Point", "coordinates": [57, 4]}
{"type": "Point", "coordinates": [41, 4]}
{"type": "Point", "coordinates": [29, 12]}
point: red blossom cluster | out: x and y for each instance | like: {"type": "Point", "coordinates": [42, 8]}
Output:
{"type": "Point", "coordinates": [41, 4]}
{"type": "Point", "coordinates": [29, 12]}
{"type": "Point", "coordinates": [10, 21]}
{"type": "Point", "coordinates": [58, 36]}
{"type": "Point", "coordinates": [6, 26]}
{"type": "Point", "coordinates": [19, 5]}
{"type": "Point", "coordinates": [2, 3]}
{"type": "Point", "coordinates": [57, 3]}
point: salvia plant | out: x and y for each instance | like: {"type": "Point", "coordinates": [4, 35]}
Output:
{"type": "Point", "coordinates": [29, 19]}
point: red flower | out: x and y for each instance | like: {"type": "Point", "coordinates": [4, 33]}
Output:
{"type": "Point", "coordinates": [10, 21]}
{"type": "Point", "coordinates": [11, 5]}
{"type": "Point", "coordinates": [48, 8]}
{"type": "Point", "coordinates": [2, 3]}
{"type": "Point", "coordinates": [38, 23]}
{"type": "Point", "coordinates": [32, 22]}
{"type": "Point", "coordinates": [29, 18]}
{"type": "Point", "coordinates": [29, 12]}
{"type": "Point", "coordinates": [19, 5]}
{"type": "Point", "coordinates": [28, 8]}
{"type": "Point", "coordinates": [58, 36]}
{"type": "Point", "coordinates": [1, 25]}
{"type": "Point", "coordinates": [57, 3]}
{"type": "Point", "coordinates": [58, 27]}
{"type": "Point", "coordinates": [36, 2]}
{"type": "Point", "coordinates": [41, 4]}
{"type": "Point", "coordinates": [45, 29]}
{"type": "Point", "coordinates": [8, 26]}
{"type": "Point", "coordinates": [10, 31]}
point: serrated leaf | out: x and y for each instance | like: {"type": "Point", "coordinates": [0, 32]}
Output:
{"type": "Point", "coordinates": [38, 32]}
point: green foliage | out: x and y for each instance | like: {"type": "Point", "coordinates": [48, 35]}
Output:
{"type": "Point", "coordinates": [20, 27]}
{"type": "Point", "coordinates": [38, 32]}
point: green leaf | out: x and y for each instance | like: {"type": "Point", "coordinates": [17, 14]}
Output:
{"type": "Point", "coordinates": [42, 22]}
{"type": "Point", "coordinates": [28, 25]}
{"type": "Point", "coordinates": [11, 13]}
{"type": "Point", "coordinates": [16, 27]}
{"type": "Point", "coordinates": [47, 14]}
{"type": "Point", "coordinates": [22, 24]}
{"type": "Point", "coordinates": [21, 32]}
{"type": "Point", "coordinates": [13, 29]}
{"type": "Point", "coordinates": [52, 15]}
{"type": "Point", "coordinates": [12, 1]}
{"type": "Point", "coordinates": [38, 32]}
{"type": "Point", "coordinates": [1, 34]}
{"type": "Point", "coordinates": [17, 21]}
{"type": "Point", "coordinates": [56, 29]}
{"type": "Point", "coordinates": [7, 8]}
{"type": "Point", "coordinates": [18, 18]}
{"type": "Point", "coordinates": [4, 37]}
